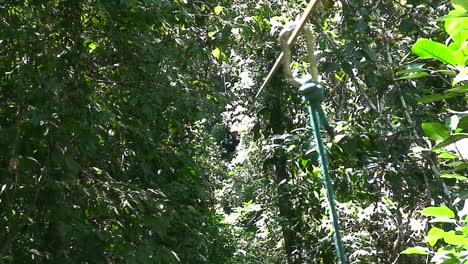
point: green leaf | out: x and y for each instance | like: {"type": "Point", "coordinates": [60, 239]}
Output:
{"type": "Point", "coordinates": [453, 239]}
{"type": "Point", "coordinates": [438, 211]}
{"type": "Point", "coordinates": [451, 139]}
{"type": "Point", "coordinates": [216, 53]}
{"type": "Point", "coordinates": [416, 250]}
{"type": "Point", "coordinates": [443, 18]}
{"type": "Point", "coordinates": [219, 55]}
{"type": "Point", "coordinates": [436, 97]}
{"type": "Point", "coordinates": [91, 47]}
{"type": "Point", "coordinates": [447, 155]}
{"type": "Point", "coordinates": [447, 72]}
{"type": "Point", "coordinates": [428, 49]}
{"type": "Point", "coordinates": [414, 75]}
{"type": "Point", "coordinates": [454, 176]}
{"type": "Point", "coordinates": [461, 5]}
{"type": "Point", "coordinates": [461, 90]}
{"type": "Point", "coordinates": [434, 235]}
{"type": "Point", "coordinates": [463, 123]}
{"type": "Point", "coordinates": [435, 131]}
{"type": "Point", "coordinates": [456, 25]}
{"type": "Point", "coordinates": [218, 9]}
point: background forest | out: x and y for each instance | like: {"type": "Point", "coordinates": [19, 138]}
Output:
{"type": "Point", "coordinates": [116, 143]}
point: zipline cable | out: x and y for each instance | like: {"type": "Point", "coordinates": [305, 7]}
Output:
{"type": "Point", "coordinates": [308, 11]}
{"type": "Point", "coordinates": [313, 95]}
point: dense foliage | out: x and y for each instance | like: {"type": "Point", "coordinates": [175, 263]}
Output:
{"type": "Point", "coordinates": [101, 112]}
{"type": "Point", "coordinates": [116, 120]}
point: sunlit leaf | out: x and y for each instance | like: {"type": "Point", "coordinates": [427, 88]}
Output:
{"type": "Point", "coordinates": [456, 25]}
{"type": "Point", "coordinates": [219, 55]}
{"type": "Point", "coordinates": [454, 239]}
{"type": "Point", "coordinates": [416, 250]}
{"type": "Point", "coordinates": [435, 131]}
{"type": "Point", "coordinates": [461, 5]}
{"type": "Point", "coordinates": [434, 235]}
{"type": "Point", "coordinates": [428, 49]}
{"type": "Point", "coordinates": [91, 47]}
{"type": "Point", "coordinates": [447, 155]}
{"type": "Point", "coordinates": [454, 176]}
{"type": "Point", "coordinates": [218, 9]}
{"type": "Point", "coordinates": [216, 53]}
{"type": "Point", "coordinates": [438, 211]}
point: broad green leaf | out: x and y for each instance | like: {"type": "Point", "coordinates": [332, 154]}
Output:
{"type": "Point", "coordinates": [434, 235]}
{"type": "Point", "coordinates": [454, 176]}
{"type": "Point", "coordinates": [416, 250]}
{"type": "Point", "coordinates": [428, 49]}
{"type": "Point", "coordinates": [438, 211]}
{"type": "Point", "coordinates": [457, 27]}
{"type": "Point", "coordinates": [435, 131]}
{"type": "Point", "coordinates": [453, 239]}
{"type": "Point", "coordinates": [461, 5]}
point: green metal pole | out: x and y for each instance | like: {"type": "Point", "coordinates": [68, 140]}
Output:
{"type": "Point", "coordinates": [313, 95]}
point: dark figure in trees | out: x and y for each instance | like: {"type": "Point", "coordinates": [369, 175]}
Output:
{"type": "Point", "coordinates": [231, 141]}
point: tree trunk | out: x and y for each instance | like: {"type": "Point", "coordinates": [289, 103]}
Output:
{"type": "Point", "coordinates": [289, 222]}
